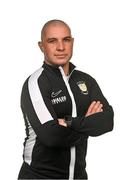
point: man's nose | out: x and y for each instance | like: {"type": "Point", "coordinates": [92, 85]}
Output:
{"type": "Point", "coordinates": [60, 46]}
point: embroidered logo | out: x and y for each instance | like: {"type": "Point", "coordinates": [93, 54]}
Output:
{"type": "Point", "coordinates": [55, 94]}
{"type": "Point", "coordinates": [83, 87]}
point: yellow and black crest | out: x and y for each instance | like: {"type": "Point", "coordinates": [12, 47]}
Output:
{"type": "Point", "coordinates": [83, 87]}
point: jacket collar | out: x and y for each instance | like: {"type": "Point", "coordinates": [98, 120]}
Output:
{"type": "Point", "coordinates": [56, 69]}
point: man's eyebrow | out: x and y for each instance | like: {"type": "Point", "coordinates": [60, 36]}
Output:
{"type": "Point", "coordinates": [69, 37]}
{"type": "Point", "coordinates": [51, 38]}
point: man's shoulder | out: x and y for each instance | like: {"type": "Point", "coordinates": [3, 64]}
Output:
{"type": "Point", "coordinates": [34, 77]}
{"type": "Point", "coordinates": [82, 74]}
{"type": "Point", "coordinates": [37, 80]}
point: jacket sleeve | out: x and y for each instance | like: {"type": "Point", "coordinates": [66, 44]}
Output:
{"type": "Point", "coordinates": [41, 118]}
{"type": "Point", "coordinates": [98, 123]}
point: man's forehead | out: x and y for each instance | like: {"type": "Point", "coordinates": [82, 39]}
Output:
{"type": "Point", "coordinates": [58, 26]}
{"type": "Point", "coordinates": [56, 29]}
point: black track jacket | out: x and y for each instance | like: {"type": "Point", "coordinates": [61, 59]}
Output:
{"type": "Point", "coordinates": [52, 151]}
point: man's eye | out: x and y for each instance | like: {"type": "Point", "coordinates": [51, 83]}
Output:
{"type": "Point", "coordinates": [51, 41]}
{"type": "Point", "coordinates": [67, 40]}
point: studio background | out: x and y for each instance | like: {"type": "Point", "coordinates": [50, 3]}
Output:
{"type": "Point", "coordinates": [95, 27]}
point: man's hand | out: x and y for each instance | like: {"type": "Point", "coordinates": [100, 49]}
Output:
{"type": "Point", "coordinates": [95, 107]}
{"type": "Point", "coordinates": [62, 122]}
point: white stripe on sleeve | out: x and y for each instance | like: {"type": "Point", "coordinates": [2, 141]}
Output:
{"type": "Point", "coordinates": [36, 97]}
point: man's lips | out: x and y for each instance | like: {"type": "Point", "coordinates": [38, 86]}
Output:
{"type": "Point", "coordinates": [61, 55]}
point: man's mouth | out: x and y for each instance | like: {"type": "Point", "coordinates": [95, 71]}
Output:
{"type": "Point", "coordinates": [61, 55]}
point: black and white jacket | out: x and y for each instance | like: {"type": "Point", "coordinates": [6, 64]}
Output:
{"type": "Point", "coordinates": [52, 151]}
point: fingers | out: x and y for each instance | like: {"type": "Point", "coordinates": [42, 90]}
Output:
{"type": "Point", "coordinates": [99, 108]}
{"type": "Point", "coordinates": [91, 107]}
{"type": "Point", "coordinates": [95, 107]}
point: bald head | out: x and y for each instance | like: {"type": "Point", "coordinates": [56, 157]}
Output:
{"type": "Point", "coordinates": [53, 23]}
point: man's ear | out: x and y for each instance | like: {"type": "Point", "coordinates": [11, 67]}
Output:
{"type": "Point", "coordinates": [41, 46]}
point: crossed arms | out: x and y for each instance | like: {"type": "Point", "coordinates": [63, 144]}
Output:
{"type": "Point", "coordinates": [95, 107]}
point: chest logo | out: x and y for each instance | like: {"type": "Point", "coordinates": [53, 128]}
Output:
{"type": "Point", "coordinates": [83, 87]}
{"type": "Point", "coordinates": [54, 94]}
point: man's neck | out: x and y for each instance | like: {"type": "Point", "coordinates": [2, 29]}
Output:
{"type": "Point", "coordinates": [65, 67]}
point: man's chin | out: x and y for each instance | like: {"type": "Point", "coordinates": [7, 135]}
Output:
{"type": "Point", "coordinates": [58, 62]}
{"type": "Point", "coordinates": [61, 62]}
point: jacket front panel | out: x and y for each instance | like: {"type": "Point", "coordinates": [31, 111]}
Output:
{"type": "Point", "coordinates": [62, 105]}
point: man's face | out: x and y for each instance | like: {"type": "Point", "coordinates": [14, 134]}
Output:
{"type": "Point", "coordinates": [57, 44]}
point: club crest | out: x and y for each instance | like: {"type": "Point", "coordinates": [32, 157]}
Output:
{"type": "Point", "coordinates": [83, 87]}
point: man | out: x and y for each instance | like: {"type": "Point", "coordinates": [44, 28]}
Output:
{"type": "Point", "coordinates": [62, 107]}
